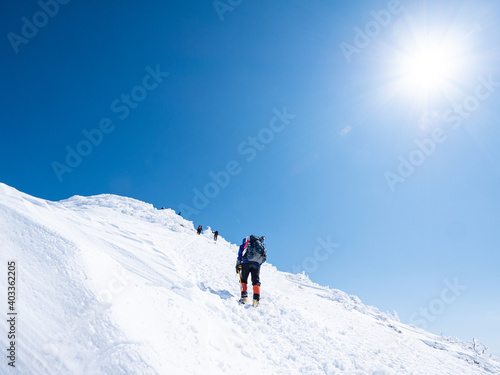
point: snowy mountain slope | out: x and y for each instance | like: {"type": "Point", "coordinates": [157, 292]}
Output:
{"type": "Point", "coordinates": [110, 285]}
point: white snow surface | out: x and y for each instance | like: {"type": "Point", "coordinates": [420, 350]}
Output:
{"type": "Point", "coordinates": [111, 285]}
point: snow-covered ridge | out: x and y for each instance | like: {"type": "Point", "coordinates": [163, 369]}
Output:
{"type": "Point", "coordinates": [112, 285]}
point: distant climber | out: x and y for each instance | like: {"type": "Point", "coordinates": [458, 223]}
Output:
{"type": "Point", "coordinates": [200, 228]}
{"type": "Point", "coordinates": [251, 255]}
{"type": "Point", "coordinates": [162, 208]}
{"type": "Point", "coordinates": [179, 213]}
{"type": "Point", "coordinates": [216, 234]}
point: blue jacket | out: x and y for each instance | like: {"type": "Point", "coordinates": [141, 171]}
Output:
{"type": "Point", "coordinates": [250, 257]}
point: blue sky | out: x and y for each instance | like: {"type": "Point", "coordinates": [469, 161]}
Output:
{"type": "Point", "coordinates": [371, 126]}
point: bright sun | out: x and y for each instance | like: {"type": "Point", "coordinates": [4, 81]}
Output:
{"type": "Point", "coordinates": [428, 68]}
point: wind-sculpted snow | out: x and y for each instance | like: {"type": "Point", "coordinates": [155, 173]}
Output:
{"type": "Point", "coordinates": [110, 285]}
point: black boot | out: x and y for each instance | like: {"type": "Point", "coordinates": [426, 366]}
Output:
{"type": "Point", "coordinates": [244, 297]}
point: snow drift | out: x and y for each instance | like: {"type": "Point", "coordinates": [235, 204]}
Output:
{"type": "Point", "coordinates": [110, 285]}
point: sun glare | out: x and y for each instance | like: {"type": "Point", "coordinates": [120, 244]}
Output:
{"type": "Point", "coordinates": [430, 66]}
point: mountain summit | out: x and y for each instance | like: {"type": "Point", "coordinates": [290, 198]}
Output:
{"type": "Point", "coordinates": [111, 285]}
